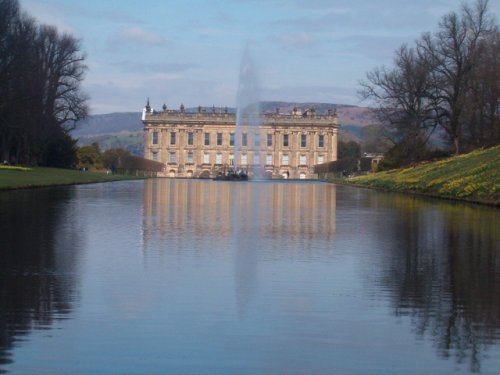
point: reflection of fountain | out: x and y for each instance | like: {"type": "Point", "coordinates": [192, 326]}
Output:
{"type": "Point", "coordinates": [247, 222]}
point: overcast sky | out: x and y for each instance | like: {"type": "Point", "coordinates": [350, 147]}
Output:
{"type": "Point", "coordinates": [189, 51]}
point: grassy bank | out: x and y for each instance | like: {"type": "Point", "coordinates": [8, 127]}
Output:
{"type": "Point", "coordinates": [22, 178]}
{"type": "Point", "coordinates": [473, 177]}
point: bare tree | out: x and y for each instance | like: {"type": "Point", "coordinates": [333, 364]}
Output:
{"type": "Point", "coordinates": [62, 70]}
{"type": "Point", "coordinates": [9, 15]}
{"type": "Point", "coordinates": [482, 114]}
{"type": "Point", "coordinates": [16, 77]}
{"type": "Point", "coordinates": [41, 99]}
{"type": "Point", "coordinates": [450, 80]}
{"type": "Point", "coordinates": [453, 53]}
{"type": "Point", "coordinates": [401, 101]}
{"type": "Point", "coordinates": [58, 100]}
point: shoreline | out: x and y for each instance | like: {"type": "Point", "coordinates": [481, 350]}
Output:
{"type": "Point", "coordinates": [493, 204]}
{"type": "Point", "coordinates": [472, 178]}
{"type": "Point", "coordinates": [40, 177]}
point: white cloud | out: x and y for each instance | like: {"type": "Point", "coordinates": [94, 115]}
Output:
{"type": "Point", "coordinates": [154, 67]}
{"type": "Point", "coordinates": [137, 34]}
{"type": "Point", "coordinates": [313, 50]}
{"type": "Point", "coordinates": [50, 15]}
{"type": "Point", "coordinates": [299, 39]}
{"type": "Point", "coordinates": [376, 48]}
{"type": "Point", "coordinates": [131, 95]}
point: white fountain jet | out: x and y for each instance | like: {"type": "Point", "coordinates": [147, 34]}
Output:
{"type": "Point", "coordinates": [248, 118]}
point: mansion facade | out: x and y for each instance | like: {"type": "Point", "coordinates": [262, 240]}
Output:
{"type": "Point", "coordinates": [207, 143]}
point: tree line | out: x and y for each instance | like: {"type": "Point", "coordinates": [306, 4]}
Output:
{"type": "Point", "coordinates": [115, 160]}
{"type": "Point", "coordinates": [41, 70]}
{"type": "Point", "coordinates": [446, 83]}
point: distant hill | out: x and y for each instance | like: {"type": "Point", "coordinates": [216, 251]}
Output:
{"type": "Point", "coordinates": [348, 114]}
{"type": "Point", "coordinates": [124, 129]}
{"type": "Point", "coordinates": [133, 142]}
{"type": "Point", "coordinates": [131, 121]}
{"type": "Point", "coordinates": [109, 124]}
{"type": "Point", "coordinates": [352, 118]}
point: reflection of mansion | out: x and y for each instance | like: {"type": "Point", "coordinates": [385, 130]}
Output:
{"type": "Point", "coordinates": [205, 143]}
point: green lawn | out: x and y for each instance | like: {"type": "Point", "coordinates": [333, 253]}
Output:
{"type": "Point", "coordinates": [474, 177]}
{"type": "Point", "coordinates": [38, 177]}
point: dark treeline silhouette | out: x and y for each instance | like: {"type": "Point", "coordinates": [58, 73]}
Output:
{"type": "Point", "coordinates": [448, 82]}
{"type": "Point", "coordinates": [442, 272]}
{"type": "Point", "coordinates": [38, 271]}
{"type": "Point", "coordinates": [40, 97]}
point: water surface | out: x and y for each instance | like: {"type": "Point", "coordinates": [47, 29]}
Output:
{"type": "Point", "coordinates": [192, 277]}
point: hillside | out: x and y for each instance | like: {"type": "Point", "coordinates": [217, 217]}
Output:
{"type": "Point", "coordinates": [133, 142]}
{"type": "Point", "coordinates": [348, 114]}
{"type": "Point", "coordinates": [473, 177]}
{"type": "Point", "coordinates": [108, 124]}
{"type": "Point", "coordinates": [112, 130]}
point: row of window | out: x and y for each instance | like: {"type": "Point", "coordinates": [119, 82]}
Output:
{"type": "Point", "coordinates": [244, 139]}
{"type": "Point", "coordinates": [244, 158]}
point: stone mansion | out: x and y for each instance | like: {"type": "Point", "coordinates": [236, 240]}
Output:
{"type": "Point", "coordinates": [202, 144]}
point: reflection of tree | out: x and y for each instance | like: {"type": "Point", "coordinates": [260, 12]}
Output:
{"type": "Point", "coordinates": [37, 266]}
{"type": "Point", "coordinates": [444, 272]}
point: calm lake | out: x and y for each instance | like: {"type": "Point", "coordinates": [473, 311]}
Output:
{"type": "Point", "coordinates": [210, 277]}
